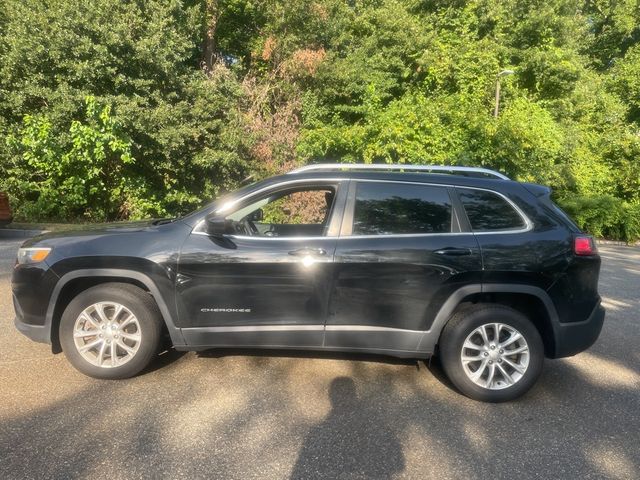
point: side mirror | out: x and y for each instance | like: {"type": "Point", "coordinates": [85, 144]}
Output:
{"type": "Point", "coordinates": [217, 226]}
{"type": "Point", "coordinates": [256, 215]}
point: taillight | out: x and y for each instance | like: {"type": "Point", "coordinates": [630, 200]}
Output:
{"type": "Point", "coordinates": [584, 245]}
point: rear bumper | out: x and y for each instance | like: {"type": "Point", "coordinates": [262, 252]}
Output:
{"type": "Point", "coordinates": [573, 338]}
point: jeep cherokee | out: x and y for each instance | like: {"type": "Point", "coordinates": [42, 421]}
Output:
{"type": "Point", "coordinates": [410, 261]}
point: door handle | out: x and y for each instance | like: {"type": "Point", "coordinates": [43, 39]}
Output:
{"type": "Point", "coordinates": [303, 252]}
{"type": "Point", "coordinates": [453, 251]}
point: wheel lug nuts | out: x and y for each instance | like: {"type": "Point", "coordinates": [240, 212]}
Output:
{"type": "Point", "coordinates": [486, 354]}
{"type": "Point", "coordinates": [493, 347]}
{"type": "Point", "coordinates": [101, 335]}
{"type": "Point", "coordinates": [115, 336]}
{"type": "Point", "coordinates": [490, 362]}
{"type": "Point", "coordinates": [499, 360]}
{"type": "Point", "coordinates": [102, 327]}
{"type": "Point", "coordinates": [501, 351]}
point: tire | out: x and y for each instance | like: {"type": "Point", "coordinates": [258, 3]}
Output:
{"type": "Point", "coordinates": [488, 371]}
{"type": "Point", "coordinates": [132, 326]}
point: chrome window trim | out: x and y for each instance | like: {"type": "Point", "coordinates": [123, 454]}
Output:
{"type": "Point", "coordinates": [406, 235]}
{"type": "Point", "coordinates": [345, 237]}
{"type": "Point", "coordinates": [197, 229]}
{"type": "Point", "coordinates": [270, 239]}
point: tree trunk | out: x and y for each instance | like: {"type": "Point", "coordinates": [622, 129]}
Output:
{"type": "Point", "coordinates": [209, 53]}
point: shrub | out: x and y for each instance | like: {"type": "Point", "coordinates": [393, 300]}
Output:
{"type": "Point", "coordinates": [78, 175]}
{"type": "Point", "coordinates": [605, 216]}
{"type": "Point", "coordinates": [631, 222]}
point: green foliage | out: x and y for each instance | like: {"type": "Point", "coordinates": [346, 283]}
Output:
{"type": "Point", "coordinates": [79, 175]}
{"type": "Point", "coordinates": [599, 215]}
{"type": "Point", "coordinates": [370, 81]}
{"type": "Point", "coordinates": [142, 59]}
{"type": "Point", "coordinates": [631, 221]}
{"type": "Point", "coordinates": [626, 81]}
{"type": "Point", "coordinates": [605, 216]}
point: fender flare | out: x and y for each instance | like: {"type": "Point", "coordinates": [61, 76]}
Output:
{"type": "Point", "coordinates": [174, 332]}
{"type": "Point", "coordinates": [430, 337]}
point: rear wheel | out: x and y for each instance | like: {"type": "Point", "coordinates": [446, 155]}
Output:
{"type": "Point", "coordinates": [491, 353]}
{"type": "Point", "coordinates": [111, 331]}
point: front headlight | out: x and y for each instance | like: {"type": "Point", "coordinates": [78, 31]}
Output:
{"type": "Point", "coordinates": [32, 255]}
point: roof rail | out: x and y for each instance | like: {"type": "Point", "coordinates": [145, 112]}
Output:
{"type": "Point", "coordinates": [456, 170]}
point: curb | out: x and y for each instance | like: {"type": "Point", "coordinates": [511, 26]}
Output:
{"type": "Point", "coordinates": [6, 233]}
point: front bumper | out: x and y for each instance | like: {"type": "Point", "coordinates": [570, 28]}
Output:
{"type": "Point", "coordinates": [32, 286]}
{"type": "Point", "coordinates": [37, 333]}
{"type": "Point", "coordinates": [573, 338]}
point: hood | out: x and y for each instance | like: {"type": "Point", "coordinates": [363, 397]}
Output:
{"type": "Point", "coordinates": [95, 229]}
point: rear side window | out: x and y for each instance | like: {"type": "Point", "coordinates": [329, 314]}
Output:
{"type": "Point", "coordinates": [392, 208]}
{"type": "Point", "coordinates": [488, 211]}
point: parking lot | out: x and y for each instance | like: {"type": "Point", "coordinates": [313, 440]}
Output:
{"type": "Point", "coordinates": [240, 414]}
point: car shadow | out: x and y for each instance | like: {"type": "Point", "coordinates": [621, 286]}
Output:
{"type": "Point", "coordinates": [434, 366]}
{"type": "Point", "coordinates": [310, 354]}
{"type": "Point", "coordinates": [164, 358]}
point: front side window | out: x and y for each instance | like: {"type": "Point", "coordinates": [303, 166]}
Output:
{"type": "Point", "coordinates": [287, 213]}
{"type": "Point", "coordinates": [488, 211]}
{"type": "Point", "coordinates": [396, 209]}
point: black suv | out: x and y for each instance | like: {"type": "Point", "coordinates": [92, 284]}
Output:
{"type": "Point", "coordinates": [485, 272]}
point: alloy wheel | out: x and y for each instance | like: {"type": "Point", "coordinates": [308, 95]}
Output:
{"type": "Point", "coordinates": [107, 334]}
{"type": "Point", "coordinates": [495, 356]}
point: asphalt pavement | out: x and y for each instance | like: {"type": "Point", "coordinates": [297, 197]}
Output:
{"type": "Point", "coordinates": [244, 415]}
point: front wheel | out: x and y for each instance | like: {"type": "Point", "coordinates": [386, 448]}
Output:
{"type": "Point", "coordinates": [111, 331]}
{"type": "Point", "coordinates": [491, 353]}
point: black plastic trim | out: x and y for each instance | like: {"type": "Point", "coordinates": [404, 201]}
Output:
{"type": "Point", "coordinates": [174, 332]}
{"type": "Point", "coordinates": [575, 337]}
{"type": "Point", "coordinates": [430, 338]}
{"type": "Point", "coordinates": [37, 333]}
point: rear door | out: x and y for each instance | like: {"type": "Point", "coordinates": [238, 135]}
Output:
{"type": "Point", "coordinates": [400, 254]}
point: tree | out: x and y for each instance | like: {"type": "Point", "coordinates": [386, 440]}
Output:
{"type": "Point", "coordinates": [87, 180]}
{"type": "Point", "coordinates": [209, 91]}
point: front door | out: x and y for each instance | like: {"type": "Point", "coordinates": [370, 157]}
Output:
{"type": "Point", "coordinates": [401, 253]}
{"type": "Point", "coordinates": [268, 283]}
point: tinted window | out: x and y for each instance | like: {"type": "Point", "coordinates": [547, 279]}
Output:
{"type": "Point", "coordinates": [388, 208]}
{"type": "Point", "coordinates": [488, 211]}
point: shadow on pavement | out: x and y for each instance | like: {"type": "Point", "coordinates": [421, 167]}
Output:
{"type": "Point", "coordinates": [163, 359]}
{"type": "Point", "coordinates": [353, 441]}
{"type": "Point", "coordinates": [226, 418]}
{"type": "Point", "coordinates": [310, 354]}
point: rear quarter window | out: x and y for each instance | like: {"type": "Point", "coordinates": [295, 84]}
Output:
{"type": "Point", "coordinates": [488, 211]}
